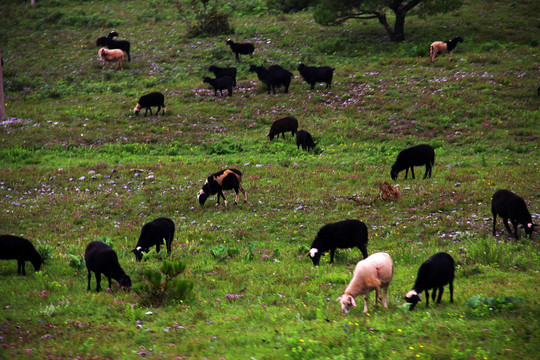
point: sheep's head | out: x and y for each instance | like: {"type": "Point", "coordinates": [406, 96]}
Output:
{"type": "Point", "coordinates": [138, 251]}
{"type": "Point", "coordinates": [529, 228]}
{"type": "Point", "coordinates": [458, 39]}
{"type": "Point", "coordinates": [102, 52]}
{"type": "Point", "coordinates": [229, 42]}
{"type": "Point", "coordinates": [202, 196]}
{"type": "Point", "coordinates": [394, 173]}
{"type": "Point", "coordinates": [137, 109]}
{"type": "Point", "coordinates": [207, 80]}
{"type": "Point", "coordinates": [315, 256]}
{"type": "Point", "coordinates": [347, 302]}
{"type": "Point", "coordinates": [412, 298]}
{"type": "Point", "coordinates": [301, 67]}
{"type": "Point", "coordinates": [112, 34]}
{"type": "Point", "coordinates": [125, 281]}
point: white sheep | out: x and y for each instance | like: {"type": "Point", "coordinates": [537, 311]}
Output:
{"type": "Point", "coordinates": [373, 273]}
{"type": "Point", "coordinates": [111, 55]}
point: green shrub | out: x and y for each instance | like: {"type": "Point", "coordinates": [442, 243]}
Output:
{"type": "Point", "coordinates": [45, 252]}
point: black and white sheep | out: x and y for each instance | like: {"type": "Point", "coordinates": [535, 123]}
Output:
{"type": "Point", "coordinates": [153, 233]}
{"type": "Point", "coordinates": [108, 55]}
{"type": "Point", "coordinates": [511, 206]}
{"type": "Point", "coordinates": [273, 77]}
{"type": "Point", "coordinates": [304, 139]}
{"type": "Point", "coordinates": [444, 47]}
{"type": "Point", "coordinates": [281, 126]}
{"type": "Point", "coordinates": [147, 101]}
{"type": "Point", "coordinates": [373, 273]}
{"type": "Point", "coordinates": [102, 259]}
{"type": "Point", "coordinates": [414, 156]}
{"type": "Point", "coordinates": [223, 180]}
{"type": "Point", "coordinates": [434, 273]}
{"type": "Point", "coordinates": [343, 234]}
{"type": "Point", "coordinates": [17, 248]}
{"type": "Point", "coordinates": [109, 42]}
{"type": "Point", "coordinates": [220, 72]}
{"type": "Point", "coordinates": [316, 74]}
{"type": "Point", "coordinates": [222, 83]}
{"type": "Point", "coordinates": [241, 48]}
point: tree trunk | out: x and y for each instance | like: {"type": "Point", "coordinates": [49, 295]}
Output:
{"type": "Point", "coordinates": [399, 27]}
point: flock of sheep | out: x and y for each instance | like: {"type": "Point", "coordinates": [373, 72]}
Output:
{"type": "Point", "coordinates": [373, 273]}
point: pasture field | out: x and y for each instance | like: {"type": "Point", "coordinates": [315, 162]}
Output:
{"type": "Point", "coordinates": [76, 165]}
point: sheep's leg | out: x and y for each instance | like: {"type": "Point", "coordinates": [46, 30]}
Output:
{"type": "Point", "coordinates": [427, 298]}
{"type": "Point", "coordinates": [98, 281]}
{"type": "Point", "coordinates": [494, 220]}
{"type": "Point", "coordinates": [89, 276]}
{"type": "Point", "coordinates": [158, 108]}
{"type": "Point", "coordinates": [243, 192]}
{"type": "Point", "coordinates": [434, 294]}
{"type": "Point", "coordinates": [426, 173]}
{"type": "Point", "coordinates": [385, 298]}
{"type": "Point", "coordinates": [514, 223]}
{"type": "Point", "coordinates": [312, 86]}
{"type": "Point", "coordinates": [20, 267]}
{"type": "Point", "coordinates": [505, 222]}
{"type": "Point", "coordinates": [110, 282]}
{"type": "Point", "coordinates": [230, 91]}
{"type": "Point", "coordinates": [332, 251]}
{"type": "Point", "coordinates": [365, 303]}
{"type": "Point", "coordinates": [451, 287]}
{"type": "Point", "coordinates": [237, 195]}
{"type": "Point", "coordinates": [412, 171]}
{"type": "Point", "coordinates": [158, 247]}
{"type": "Point", "coordinates": [406, 172]}
{"type": "Point", "coordinates": [377, 295]}
{"type": "Point", "coordinates": [450, 56]}
{"type": "Point", "coordinates": [168, 243]}
{"type": "Point", "coordinates": [441, 290]}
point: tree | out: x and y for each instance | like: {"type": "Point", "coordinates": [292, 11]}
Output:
{"type": "Point", "coordinates": [334, 12]}
{"type": "Point", "coordinates": [2, 104]}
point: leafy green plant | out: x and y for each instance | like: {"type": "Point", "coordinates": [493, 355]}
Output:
{"type": "Point", "coordinates": [482, 306]}
{"type": "Point", "coordinates": [76, 262]}
{"type": "Point", "coordinates": [45, 251]}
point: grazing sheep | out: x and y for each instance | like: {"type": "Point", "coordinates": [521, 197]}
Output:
{"type": "Point", "coordinates": [273, 77]}
{"type": "Point", "coordinates": [17, 248]}
{"type": "Point", "coordinates": [102, 259]}
{"type": "Point", "coordinates": [147, 101]}
{"type": "Point", "coordinates": [304, 138]}
{"type": "Point", "coordinates": [510, 206]}
{"type": "Point", "coordinates": [281, 126]}
{"type": "Point", "coordinates": [220, 72]}
{"type": "Point", "coordinates": [222, 83]}
{"type": "Point", "coordinates": [223, 180]}
{"type": "Point", "coordinates": [314, 74]}
{"type": "Point", "coordinates": [373, 273]}
{"type": "Point", "coordinates": [411, 157]}
{"type": "Point", "coordinates": [241, 48]}
{"type": "Point", "coordinates": [443, 47]}
{"type": "Point", "coordinates": [112, 55]}
{"type": "Point", "coordinates": [153, 233]}
{"type": "Point", "coordinates": [434, 273]}
{"type": "Point", "coordinates": [109, 42]}
{"type": "Point", "coordinates": [343, 234]}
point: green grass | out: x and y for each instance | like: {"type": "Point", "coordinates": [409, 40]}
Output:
{"type": "Point", "coordinates": [76, 165]}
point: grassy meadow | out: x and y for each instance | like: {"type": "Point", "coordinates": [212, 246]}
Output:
{"type": "Point", "coordinates": [76, 165]}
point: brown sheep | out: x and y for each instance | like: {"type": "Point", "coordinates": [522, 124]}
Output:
{"type": "Point", "coordinates": [444, 47]}
{"type": "Point", "coordinates": [110, 55]}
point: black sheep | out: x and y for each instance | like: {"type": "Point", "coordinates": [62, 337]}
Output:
{"type": "Point", "coordinates": [304, 139]}
{"type": "Point", "coordinates": [220, 72]}
{"type": "Point", "coordinates": [223, 180]}
{"type": "Point", "coordinates": [434, 273]}
{"type": "Point", "coordinates": [149, 100]}
{"type": "Point", "coordinates": [16, 248]}
{"type": "Point", "coordinates": [343, 234]}
{"type": "Point", "coordinates": [511, 206]}
{"type": "Point", "coordinates": [273, 77]}
{"type": "Point", "coordinates": [281, 126]}
{"type": "Point", "coordinates": [153, 233]}
{"type": "Point", "coordinates": [241, 48]}
{"type": "Point", "coordinates": [414, 156]}
{"type": "Point", "coordinates": [314, 74]}
{"type": "Point", "coordinates": [222, 83]}
{"type": "Point", "coordinates": [109, 42]}
{"type": "Point", "coordinates": [102, 259]}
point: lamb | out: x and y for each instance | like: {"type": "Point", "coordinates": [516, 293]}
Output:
{"type": "Point", "coordinates": [434, 273]}
{"type": "Point", "coordinates": [343, 234]}
{"type": "Point", "coordinates": [304, 139]}
{"type": "Point", "coordinates": [220, 72]}
{"type": "Point", "coordinates": [443, 47]}
{"type": "Point", "coordinates": [147, 101]}
{"type": "Point", "coordinates": [222, 83]}
{"type": "Point", "coordinates": [223, 180]}
{"type": "Point", "coordinates": [273, 77]}
{"type": "Point", "coordinates": [112, 55]}
{"type": "Point", "coordinates": [153, 233]}
{"type": "Point", "coordinates": [109, 42]}
{"type": "Point", "coordinates": [241, 48]}
{"type": "Point", "coordinates": [511, 206]}
{"type": "Point", "coordinates": [314, 74]}
{"type": "Point", "coordinates": [102, 259]}
{"type": "Point", "coordinates": [373, 273]}
{"type": "Point", "coordinates": [20, 249]}
{"type": "Point", "coordinates": [414, 156]}
{"type": "Point", "coordinates": [283, 125]}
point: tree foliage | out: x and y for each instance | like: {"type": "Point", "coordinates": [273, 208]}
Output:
{"type": "Point", "coordinates": [334, 12]}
